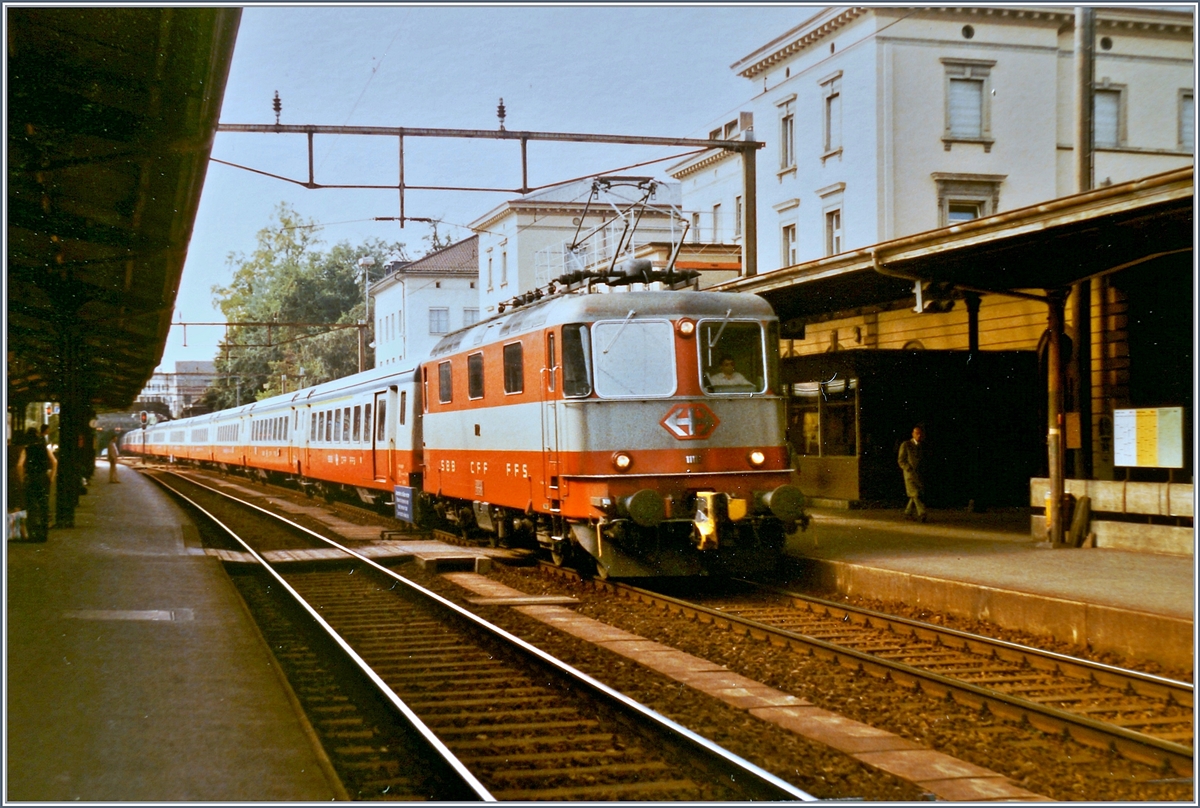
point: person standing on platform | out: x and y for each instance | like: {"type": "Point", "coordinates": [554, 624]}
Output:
{"type": "Point", "coordinates": [912, 453]}
{"type": "Point", "coordinates": [113, 453]}
{"type": "Point", "coordinates": [36, 470]}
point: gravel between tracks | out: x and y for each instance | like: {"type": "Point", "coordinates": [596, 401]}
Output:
{"type": "Point", "coordinates": [1043, 764]}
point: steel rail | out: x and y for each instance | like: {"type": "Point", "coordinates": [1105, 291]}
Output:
{"type": "Point", "coordinates": [1129, 743]}
{"type": "Point", "coordinates": [1146, 684]}
{"type": "Point", "coordinates": [467, 779]}
{"type": "Point", "coordinates": [771, 786]}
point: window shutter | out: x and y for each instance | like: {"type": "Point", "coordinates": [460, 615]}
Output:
{"type": "Point", "coordinates": [1187, 122]}
{"type": "Point", "coordinates": [1106, 108]}
{"type": "Point", "coordinates": [966, 108]}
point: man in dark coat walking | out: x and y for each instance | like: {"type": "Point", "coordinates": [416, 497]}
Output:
{"type": "Point", "coordinates": [912, 453]}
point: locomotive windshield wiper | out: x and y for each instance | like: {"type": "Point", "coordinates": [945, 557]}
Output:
{"type": "Point", "coordinates": [624, 323]}
{"type": "Point", "coordinates": [712, 341]}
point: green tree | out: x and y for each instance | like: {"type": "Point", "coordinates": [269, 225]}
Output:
{"type": "Point", "coordinates": [289, 279]}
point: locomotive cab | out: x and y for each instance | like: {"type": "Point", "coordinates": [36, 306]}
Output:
{"type": "Point", "coordinates": [632, 429]}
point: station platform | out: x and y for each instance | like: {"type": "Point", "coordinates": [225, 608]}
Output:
{"type": "Point", "coordinates": [133, 672]}
{"type": "Point", "coordinates": [987, 566]}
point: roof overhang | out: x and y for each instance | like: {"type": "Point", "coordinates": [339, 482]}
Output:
{"type": "Point", "coordinates": [111, 117]}
{"type": "Point", "coordinates": [1040, 247]}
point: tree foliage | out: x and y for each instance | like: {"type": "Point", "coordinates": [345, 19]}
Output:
{"type": "Point", "coordinates": [286, 281]}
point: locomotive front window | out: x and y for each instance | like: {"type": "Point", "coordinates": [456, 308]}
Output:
{"type": "Point", "coordinates": [731, 357]}
{"type": "Point", "coordinates": [577, 361]}
{"type": "Point", "coordinates": [634, 358]}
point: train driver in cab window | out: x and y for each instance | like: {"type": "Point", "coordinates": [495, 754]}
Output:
{"type": "Point", "coordinates": [725, 378]}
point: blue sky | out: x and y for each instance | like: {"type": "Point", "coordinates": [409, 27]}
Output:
{"type": "Point", "coordinates": [632, 69]}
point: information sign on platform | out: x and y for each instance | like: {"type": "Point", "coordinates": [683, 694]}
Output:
{"type": "Point", "coordinates": [1149, 438]}
{"type": "Point", "coordinates": [404, 503]}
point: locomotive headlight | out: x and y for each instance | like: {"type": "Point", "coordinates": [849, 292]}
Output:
{"type": "Point", "coordinates": [686, 328]}
{"type": "Point", "coordinates": [622, 461]}
{"type": "Point", "coordinates": [756, 458]}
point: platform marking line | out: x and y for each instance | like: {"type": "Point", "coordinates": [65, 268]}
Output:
{"type": "Point", "coordinates": [153, 615]}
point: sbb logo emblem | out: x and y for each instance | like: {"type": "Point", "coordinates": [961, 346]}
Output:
{"type": "Point", "coordinates": [692, 421]}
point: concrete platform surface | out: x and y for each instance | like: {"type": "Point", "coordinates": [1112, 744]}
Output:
{"type": "Point", "coordinates": [987, 566]}
{"type": "Point", "coordinates": [133, 672]}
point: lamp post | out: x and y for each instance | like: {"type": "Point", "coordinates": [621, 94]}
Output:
{"type": "Point", "coordinates": [365, 263]}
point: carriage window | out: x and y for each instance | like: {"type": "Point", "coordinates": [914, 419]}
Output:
{"type": "Point", "coordinates": [357, 423]}
{"type": "Point", "coordinates": [346, 425]}
{"type": "Point", "coordinates": [328, 427]}
{"type": "Point", "coordinates": [445, 383]}
{"type": "Point", "coordinates": [312, 426]}
{"type": "Point", "coordinates": [381, 421]}
{"type": "Point", "coordinates": [337, 426]}
{"type": "Point", "coordinates": [514, 368]}
{"type": "Point", "coordinates": [366, 422]}
{"type": "Point", "coordinates": [403, 405]}
{"type": "Point", "coordinates": [731, 357]}
{"type": "Point", "coordinates": [634, 358]}
{"type": "Point", "coordinates": [475, 376]}
{"type": "Point", "coordinates": [577, 361]}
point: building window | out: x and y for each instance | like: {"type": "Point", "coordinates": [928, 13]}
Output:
{"type": "Point", "coordinates": [489, 271]}
{"type": "Point", "coordinates": [832, 91]}
{"type": "Point", "coordinates": [737, 216]}
{"type": "Point", "coordinates": [787, 138]}
{"type": "Point", "coordinates": [439, 321]}
{"type": "Point", "coordinates": [968, 104]}
{"type": "Point", "coordinates": [957, 212]}
{"type": "Point", "coordinates": [470, 316]}
{"type": "Point", "coordinates": [789, 245]}
{"type": "Point", "coordinates": [1108, 115]}
{"type": "Point", "coordinates": [833, 231]}
{"type": "Point", "coordinates": [716, 224]}
{"type": "Point", "coordinates": [962, 197]}
{"type": "Point", "coordinates": [695, 228]}
{"type": "Point", "coordinates": [504, 268]}
{"type": "Point", "coordinates": [1187, 121]}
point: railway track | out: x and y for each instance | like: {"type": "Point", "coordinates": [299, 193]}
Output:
{"type": "Point", "coordinates": [1145, 718]}
{"type": "Point", "coordinates": [485, 714]}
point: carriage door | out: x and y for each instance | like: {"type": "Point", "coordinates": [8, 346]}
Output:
{"type": "Point", "coordinates": [550, 413]}
{"type": "Point", "coordinates": [383, 435]}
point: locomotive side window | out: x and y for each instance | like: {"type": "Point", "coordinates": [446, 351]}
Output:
{"type": "Point", "coordinates": [634, 358]}
{"type": "Point", "coordinates": [514, 368]}
{"type": "Point", "coordinates": [551, 361]}
{"type": "Point", "coordinates": [445, 383]}
{"type": "Point", "coordinates": [577, 361]}
{"type": "Point", "coordinates": [381, 420]}
{"type": "Point", "coordinates": [403, 405]}
{"type": "Point", "coordinates": [731, 357]}
{"type": "Point", "coordinates": [475, 376]}
{"type": "Point", "coordinates": [357, 423]}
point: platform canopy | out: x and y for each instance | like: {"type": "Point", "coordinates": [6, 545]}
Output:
{"type": "Point", "coordinates": [111, 117]}
{"type": "Point", "coordinates": [1046, 246]}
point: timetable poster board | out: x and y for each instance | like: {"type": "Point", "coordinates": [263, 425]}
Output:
{"type": "Point", "coordinates": [1148, 438]}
